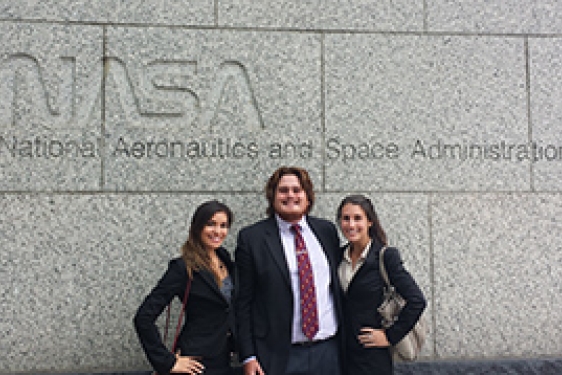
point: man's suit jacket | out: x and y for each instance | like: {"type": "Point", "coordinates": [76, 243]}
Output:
{"type": "Point", "coordinates": [264, 297]}
{"type": "Point", "coordinates": [209, 319]}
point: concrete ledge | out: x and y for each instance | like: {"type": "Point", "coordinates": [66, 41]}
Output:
{"type": "Point", "coordinates": [545, 366]}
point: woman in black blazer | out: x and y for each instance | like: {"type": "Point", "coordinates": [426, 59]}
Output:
{"type": "Point", "coordinates": [205, 341]}
{"type": "Point", "coordinates": [367, 344]}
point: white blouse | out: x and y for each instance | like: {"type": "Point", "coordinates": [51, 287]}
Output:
{"type": "Point", "coordinates": [346, 271]}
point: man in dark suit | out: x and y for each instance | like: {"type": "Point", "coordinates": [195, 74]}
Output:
{"type": "Point", "coordinates": [288, 303]}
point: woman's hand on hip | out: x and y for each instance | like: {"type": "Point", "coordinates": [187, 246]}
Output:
{"type": "Point", "coordinates": [373, 338]}
{"type": "Point", "coordinates": [187, 365]}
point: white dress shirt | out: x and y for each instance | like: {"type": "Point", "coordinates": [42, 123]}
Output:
{"type": "Point", "coordinates": [321, 272]}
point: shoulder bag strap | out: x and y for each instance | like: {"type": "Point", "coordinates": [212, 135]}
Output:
{"type": "Point", "coordinates": [382, 267]}
{"type": "Point", "coordinates": [178, 328]}
{"type": "Point", "coordinates": [180, 319]}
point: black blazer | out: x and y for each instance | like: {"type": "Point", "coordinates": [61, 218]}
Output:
{"type": "Point", "coordinates": [264, 297]}
{"type": "Point", "coordinates": [365, 294]}
{"type": "Point", "coordinates": [209, 319]}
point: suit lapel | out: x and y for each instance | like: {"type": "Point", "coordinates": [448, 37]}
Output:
{"type": "Point", "coordinates": [373, 256]}
{"type": "Point", "coordinates": [322, 240]}
{"type": "Point", "coordinates": [332, 262]}
{"type": "Point", "coordinates": [370, 261]}
{"type": "Point", "coordinates": [209, 279]}
{"type": "Point", "coordinates": [275, 246]}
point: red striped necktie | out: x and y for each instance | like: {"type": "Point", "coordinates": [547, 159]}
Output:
{"type": "Point", "coordinates": [309, 314]}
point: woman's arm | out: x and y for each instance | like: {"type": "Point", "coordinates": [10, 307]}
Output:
{"type": "Point", "coordinates": [407, 287]}
{"type": "Point", "coordinates": [172, 283]}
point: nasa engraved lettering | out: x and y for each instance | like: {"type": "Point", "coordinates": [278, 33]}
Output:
{"type": "Point", "coordinates": [186, 149]}
{"type": "Point", "coordinates": [48, 148]}
{"type": "Point", "coordinates": [361, 150]}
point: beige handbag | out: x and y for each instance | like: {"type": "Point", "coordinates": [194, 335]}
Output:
{"type": "Point", "coordinates": [410, 346]}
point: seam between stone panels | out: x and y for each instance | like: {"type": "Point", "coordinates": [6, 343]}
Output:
{"type": "Point", "coordinates": [250, 192]}
{"type": "Point", "coordinates": [288, 30]}
{"type": "Point", "coordinates": [446, 192]}
{"type": "Point", "coordinates": [103, 112]}
{"type": "Point", "coordinates": [323, 107]}
{"type": "Point", "coordinates": [528, 104]}
{"type": "Point", "coordinates": [425, 16]}
{"type": "Point", "coordinates": [216, 12]}
{"type": "Point", "coordinates": [432, 274]}
{"type": "Point", "coordinates": [130, 192]}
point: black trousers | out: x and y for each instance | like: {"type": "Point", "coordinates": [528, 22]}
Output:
{"type": "Point", "coordinates": [219, 365]}
{"type": "Point", "coordinates": [320, 358]}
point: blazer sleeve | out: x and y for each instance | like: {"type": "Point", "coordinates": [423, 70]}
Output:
{"type": "Point", "coordinates": [406, 286]}
{"type": "Point", "coordinates": [244, 294]}
{"type": "Point", "coordinates": [172, 283]}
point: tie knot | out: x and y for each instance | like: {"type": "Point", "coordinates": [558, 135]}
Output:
{"type": "Point", "coordinates": [296, 228]}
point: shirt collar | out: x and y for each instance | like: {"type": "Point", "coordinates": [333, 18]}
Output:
{"type": "Point", "coordinates": [285, 226]}
{"type": "Point", "coordinates": [363, 255]}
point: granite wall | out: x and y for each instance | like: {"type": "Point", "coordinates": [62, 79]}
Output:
{"type": "Point", "coordinates": [118, 118]}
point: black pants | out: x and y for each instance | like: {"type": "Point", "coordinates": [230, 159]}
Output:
{"type": "Point", "coordinates": [218, 371]}
{"type": "Point", "coordinates": [219, 365]}
{"type": "Point", "coordinates": [320, 358]}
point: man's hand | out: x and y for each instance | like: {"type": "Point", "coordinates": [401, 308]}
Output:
{"type": "Point", "coordinates": [253, 367]}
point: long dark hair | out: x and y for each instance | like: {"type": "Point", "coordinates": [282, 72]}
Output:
{"type": "Point", "coordinates": [193, 251]}
{"type": "Point", "coordinates": [375, 231]}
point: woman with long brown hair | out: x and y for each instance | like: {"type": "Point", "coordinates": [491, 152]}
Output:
{"type": "Point", "coordinates": [367, 342]}
{"type": "Point", "coordinates": [205, 270]}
